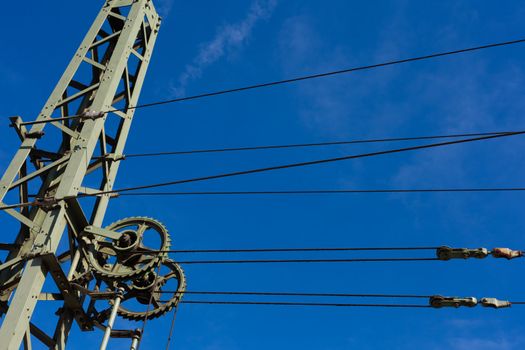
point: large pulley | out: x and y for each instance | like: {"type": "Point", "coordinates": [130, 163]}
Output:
{"type": "Point", "coordinates": [153, 294]}
{"type": "Point", "coordinates": [126, 249]}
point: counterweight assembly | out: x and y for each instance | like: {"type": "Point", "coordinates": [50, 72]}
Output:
{"type": "Point", "coordinates": [78, 139]}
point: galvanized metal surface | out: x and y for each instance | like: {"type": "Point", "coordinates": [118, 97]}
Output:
{"type": "Point", "coordinates": [122, 30]}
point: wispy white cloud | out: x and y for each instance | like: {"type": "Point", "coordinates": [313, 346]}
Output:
{"type": "Point", "coordinates": [229, 37]}
{"type": "Point", "coordinates": [164, 7]}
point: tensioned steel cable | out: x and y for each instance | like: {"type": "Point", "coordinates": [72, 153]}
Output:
{"type": "Point", "coordinates": [302, 164]}
{"type": "Point", "coordinates": [303, 192]}
{"type": "Point", "coordinates": [278, 167]}
{"type": "Point", "coordinates": [300, 261]}
{"type": "Point", "coordinates": [271, 250]}
{"type": "Point", "coordinates": [298, 294]}
{"type": "Point", "coordinates": [275, 303]}
{"type": "Point", "coordinates": [306, 145]}
{"type": "Point", "coordinates": [326, 74]}
{"type": "Point", "coordinates": [306, 192]}
{"type": "Point", "coordinates": [172, 327]}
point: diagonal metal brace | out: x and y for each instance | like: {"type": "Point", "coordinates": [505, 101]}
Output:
{"type": "Point", "coordinates": [68, 291]}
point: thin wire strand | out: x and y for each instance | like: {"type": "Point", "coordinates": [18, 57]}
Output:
{"type": "Point", "coordinates": [269, 250]}
{"type": "Point", "coordinates": [306, 192]}
{"type": "Point", "coordinates": [274, 168]}
{"type": "Point", "coordinates": [326, 74]}
{"type": "Point", "coordinates": [318, 144]}
{"type": "Point", "coordinates": [271, 303]}
{"type": "Point", "coordinates": [148, 308]}
{"type": "Point", "coordinates": [301, 164]}
{"type": "Point", "coordinates": [281, 261]}
{"type": "Point", "coordinates": [172, 326]}
{"type": "Point", "coordinates": [337, 295]}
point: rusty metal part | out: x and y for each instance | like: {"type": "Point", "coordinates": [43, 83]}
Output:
{"type": "Point", "coordinates": [506, 253]}
{"type": "Point", "coordinates": [495, 303]}
{"type": "Point", "coordinates": [438, 301]}
{"type": "Point", "coordinates": [447, 253]}
{"type": "Point", "coordinates": [119, 253]}
{"type": "Point", "coordinates": [154, 294]}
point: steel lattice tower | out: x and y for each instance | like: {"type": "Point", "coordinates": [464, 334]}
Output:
{"type": "Point", "coordinates": [75, 156]}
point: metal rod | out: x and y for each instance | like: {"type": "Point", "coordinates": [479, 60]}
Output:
{"type": "Point", "coordinates": [111, 320]}
{"type": "Point", "coordinates": [74, 264]}
{"type": "Point", "coordinates": [51, 120]}
{"type": "Point", "coordinates": [136, 338]}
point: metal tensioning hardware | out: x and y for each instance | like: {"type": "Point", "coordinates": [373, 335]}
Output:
{"type": "Point", "coordinates": [438, 301]}
{"type": "Point", "coordinates": [448, 253]}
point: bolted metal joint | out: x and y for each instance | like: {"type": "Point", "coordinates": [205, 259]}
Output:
{"type": "Point", "coordinates": [438, 301]}
{"type": "Point", "coordinates": [447, 253]}
{"type": "Point", "coordinates": [506, 253]}
{"type": "Point", "coordinates": [46, 203]}
{"type": "Point", "coordinates": [495, 303]}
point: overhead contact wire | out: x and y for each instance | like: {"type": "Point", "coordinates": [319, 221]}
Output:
{"type": "Point", "coordinates": [271, 303]}
{"type": "Point", "coordinates": [305, 145]}
{"type": "Point", "coordinates": [302, 164]}
{"type": "Point", "coordinates": [301, 192]}
{"type": "Point", "coordinates": [281, 261]}
{"type": "Point", "coordinates": [326, 74]}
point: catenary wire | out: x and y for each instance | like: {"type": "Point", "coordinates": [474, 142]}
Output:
{"type": "Point", "coordinates": [305, 145]}
{"type": "Point", "coordinates": [274, 303]}
{"type": "Point", "coordinates": [326, 74]}
{"type": "Point", "coordinates": [281, 261]}
{"type": "Point", "coordinates": [301, 164]}
{"type": "Point", "coordinates": [278, 167]}
{"type": "Point", "coordinates": [271, 250]}
{"type": "Point", "coordinates": [302, 192]}
{"type": "Point", "coordinates": [337, 295]}
{"type": "Point", "coordinates": [348, 191]}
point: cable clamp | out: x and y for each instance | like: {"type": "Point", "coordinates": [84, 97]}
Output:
{"type": "Point", "coordinates": [438, 301]}
{"type": "Point", "coordinates": [447, 253]}
{"type": "Point", "coordinates": [506, 253]}
{"type": "Point", "coordinates": [114, 157]}
{"type": "Point", "coordinates": [46, 203]}
{"type": "Point", "coordinates": [495, 303]}
{"type": "Point", "coordinates": [90, 114]}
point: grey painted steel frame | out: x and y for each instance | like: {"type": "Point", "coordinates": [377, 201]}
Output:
{"type": "Point", "coordinates": [45, 227]}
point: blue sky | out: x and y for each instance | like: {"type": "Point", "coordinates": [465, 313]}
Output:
{"type": "Point", "coordinates": [208, 45]}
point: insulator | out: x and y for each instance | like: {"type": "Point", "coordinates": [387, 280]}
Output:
{"type": "Point", "coordinates": [506, 253]}
{"type": "Point", "coordinates": [495, 303]}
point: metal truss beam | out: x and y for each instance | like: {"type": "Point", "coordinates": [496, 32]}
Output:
{"type": "Point", "coordinates": [115, 53]}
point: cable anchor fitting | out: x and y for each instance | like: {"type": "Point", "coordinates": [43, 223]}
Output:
{"type": "Point", "coordinates": [90, 114]}
{"type": "Point", "coordinates": [495, 303]}
{"type": "Point", "coordinates": [114, 157]}
{"type": "Point", "coordinates": [46, 203]}
{"type": "Point", "coordinates": [438, 301]}
{"type": "Point", "coordinates": [506, 253]}
{"type": "Point", "coordinates": [447, 253]}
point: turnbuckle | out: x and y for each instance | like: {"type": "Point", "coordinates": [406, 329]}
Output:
{"type": "Point", "coordinates": [447, 253]}
{"type": "Point", "coordinates": [438, 301]}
